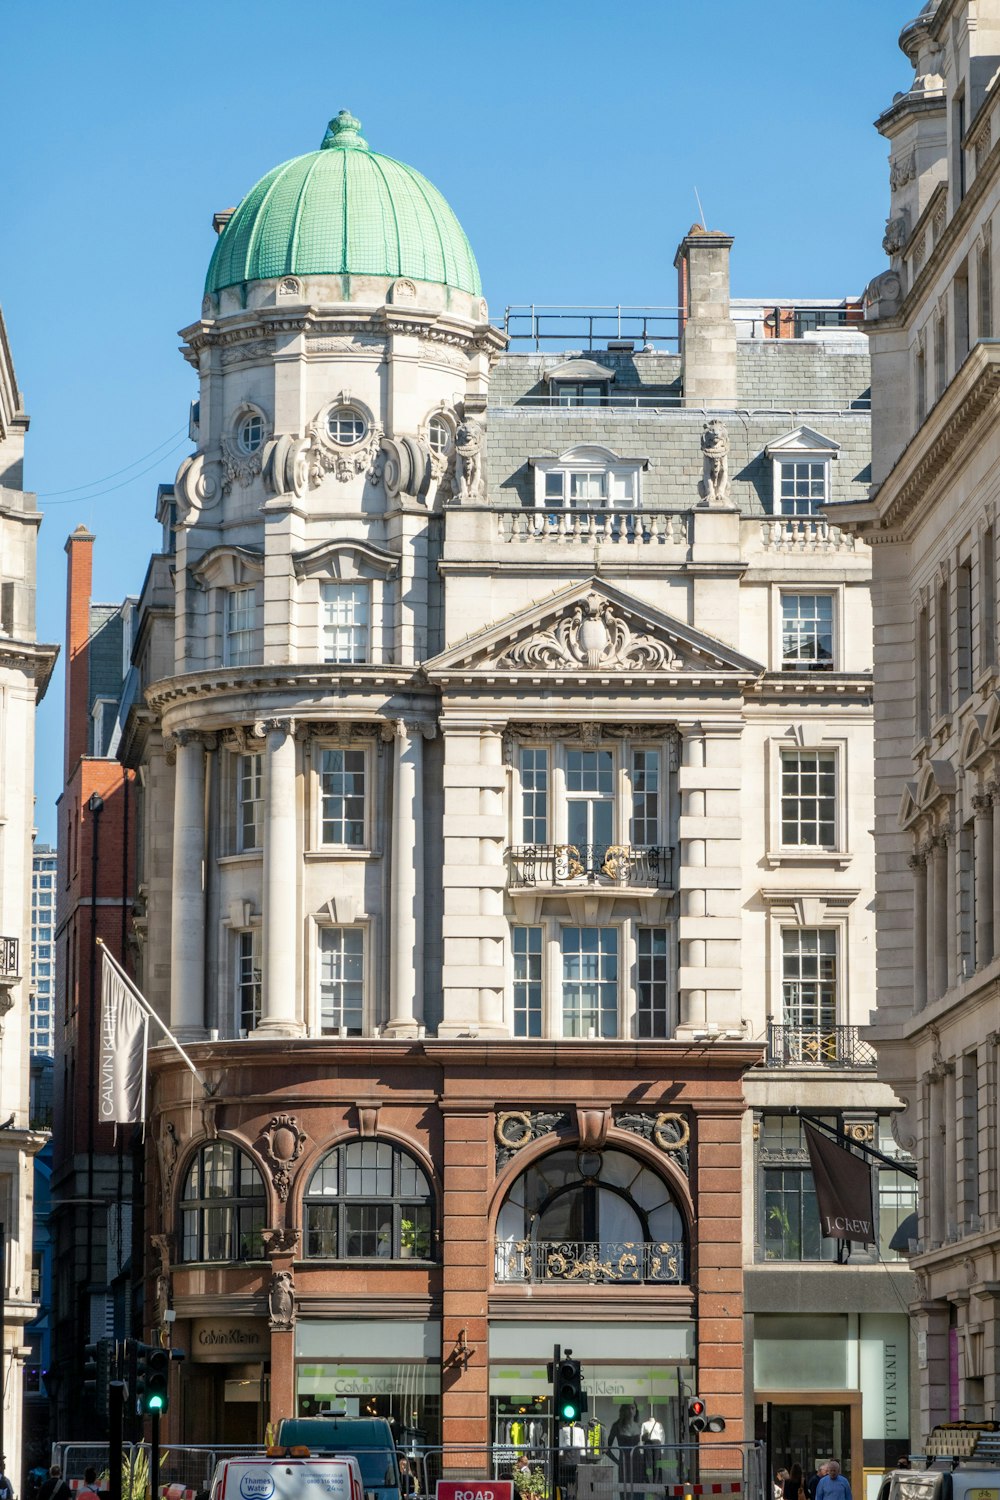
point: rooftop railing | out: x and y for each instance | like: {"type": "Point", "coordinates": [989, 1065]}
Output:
{"type": "Point", "coordinates": [622, 328]}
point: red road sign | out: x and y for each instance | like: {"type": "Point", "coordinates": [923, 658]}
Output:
{"type": "Point", "coordinates": [475, 1489]}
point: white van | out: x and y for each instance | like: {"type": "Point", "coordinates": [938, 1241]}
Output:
{"type": "Point", "coordinates": [967, 1482]}
{"type": "Point", "coordinates": [268, 1477]}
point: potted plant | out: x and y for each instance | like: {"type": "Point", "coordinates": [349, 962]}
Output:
{"type": "Point", "coordinates": [530, 1484]}
{"type": "Point", "coordinates": [414, 1240]}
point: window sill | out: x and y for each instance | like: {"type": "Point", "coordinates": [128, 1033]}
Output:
{"type": "Point", "coordinates": [339, 851]}
{"type": "Point", "coordinates": [250, 857]}
{"type": "Point", "coordinates": [941, 727]}
{"type": "Point", "coordinates": [203, 1265]}
{"type": "Point", "coordinates": [367, 1261]}
{"type": "Point", "coordinates": [839, 859]}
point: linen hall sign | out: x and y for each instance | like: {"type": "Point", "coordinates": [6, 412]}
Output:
{"type": "Point", "coordinates": [843, 1189]}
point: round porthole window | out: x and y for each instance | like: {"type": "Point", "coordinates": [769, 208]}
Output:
{"type": "Point", "coordinates": [438, 435]}
{"type": "Point", "coordinates": [346, 425]}
{"type": "Point", "coordinates": [250, 433]}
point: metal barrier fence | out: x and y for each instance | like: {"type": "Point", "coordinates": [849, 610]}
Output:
{"type": "Point", "coordinates": [668, 1471]}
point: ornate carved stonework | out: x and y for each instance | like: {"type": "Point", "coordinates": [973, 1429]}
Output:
{"type": "Point", "coordinates": [244, 354]}
{"type": "Point", "coordinates": [281, 1302]}
{"type": "Point", "coordinates": [280, 1241]}
{"type": "Point", "coordinates": [281, 1147]}
{"type": "Point", "coordinates": [515, 1129]}
{"type": "Point", "coordinates": [713, 486]}
{"type": "Point", "coordinates": [197, 486]}
{"type": "Point", "coordinates": [168, 1145]}
{"type": "Point", "coordinates": [670, 1132]}
{"type": "Point", "coordinates": [897, 233]}
{"type": "Point", "coordinates": [593, 637]}
{"type": "Point", "coordinates": [469, 461]}
{"type": "Point", "coordinates": [903, 168]}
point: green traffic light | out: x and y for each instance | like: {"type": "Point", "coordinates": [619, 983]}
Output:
{"type": "Point", "coordinates": [569, 1411]}
{"type": "Point", "coordinates": [155, 1403]}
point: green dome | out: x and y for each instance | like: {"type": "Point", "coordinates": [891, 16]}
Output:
{"type": "Point", "coordinates": [343, 209]}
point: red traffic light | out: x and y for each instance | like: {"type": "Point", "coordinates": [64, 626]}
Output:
{"type": "Point", "coordinates": [696, 1408]}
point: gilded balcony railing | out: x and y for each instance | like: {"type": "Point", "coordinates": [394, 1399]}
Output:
{"type": "Point", "coordinates": [588, 1262]}
{"type": "Point", "coordinates": [606, 865]}
{"type": "Point", "coordinates": [825, 1046]}
{"type": "Point", "coordinates": [10, 957]}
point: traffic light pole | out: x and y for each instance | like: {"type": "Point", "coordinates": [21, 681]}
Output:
{"type": "Point", "coordinates": [116, 1415]}
{"type": "Point", "coordinates": [554, 1448]}
{"type": "Point", "coordinates": [154, 1454]}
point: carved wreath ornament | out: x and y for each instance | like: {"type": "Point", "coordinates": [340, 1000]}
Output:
{"type": "Point", "coordinates": [593, 637]}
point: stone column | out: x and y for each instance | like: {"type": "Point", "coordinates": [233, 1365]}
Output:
{"type": "Point", "coordinates": [406, 895]}
{"type": "Point", "coordinates": [279, 1001]}
{"type": "Point", "coordinates": [943, 919]}
{"type": "Point", "coordinates": [950, 843]}
{"type": "Point", "coordinates": [934, 917]}
{"type": "Point", "coordinates": [983, 834]}
{"type": "Point", "coordinates": [918, 864]}
{"type": "Point", "coordinates": [187, 912]}
{"type": "Point", "coordinates": [994, 791]}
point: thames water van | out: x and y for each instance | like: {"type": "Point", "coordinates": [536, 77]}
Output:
{"type": "Point", "coordinates": [267, 1477]}
{"type": "Point", "coordinates": [368, 1439]}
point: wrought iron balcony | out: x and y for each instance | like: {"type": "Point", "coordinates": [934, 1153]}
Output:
{"type": "Point", "coordinates": [826, 1047]}
{"type": "Point", "coordinates": [604, 865]}
{"type": "Point", "coordinates": [588, 1262]}
{"type": "Point", "coordinates": [10, 957]}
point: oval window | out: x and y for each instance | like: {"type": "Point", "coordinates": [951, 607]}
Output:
{"type": "Point", "coordinates": [346, 425]}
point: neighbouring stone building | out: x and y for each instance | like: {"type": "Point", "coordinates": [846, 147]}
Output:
{"type": "Point", "coordinates": [25, 669]}
{"type": "Point", "coordinates": [933, 522]}
{"type": "Point", "coordinates": [504, 802]}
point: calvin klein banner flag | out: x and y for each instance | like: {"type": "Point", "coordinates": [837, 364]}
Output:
{"type": "Point", "coordinates": [124, 1035]}
{"type": "Point", "coordinates": [843, 1189]}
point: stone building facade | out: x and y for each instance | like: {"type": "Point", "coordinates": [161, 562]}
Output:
{"type": "Point", "coordinates": [933, 524]}
{"type": "Point", "coordinates": [503, 746]}
{"type": "Point", "coordinates": [25, 669]}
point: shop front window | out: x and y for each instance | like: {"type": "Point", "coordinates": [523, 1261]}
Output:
{"type": "Point", "coordinates": [584, 1217]}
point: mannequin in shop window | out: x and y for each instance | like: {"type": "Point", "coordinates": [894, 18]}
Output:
{"type": "Point", "coordinates": [652, 1438]}
{"type": "Point", "coordinates": [623, 1443]}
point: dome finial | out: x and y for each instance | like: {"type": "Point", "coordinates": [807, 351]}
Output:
{"type": "Point", "coordinates": [344, 133]}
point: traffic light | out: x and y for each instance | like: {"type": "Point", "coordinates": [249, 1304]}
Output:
{"type": "Point", "coordinates": [570, 1398]}
{"type": "Point", "coordinates": [699, 1419]}
{"type": "Point", "coordinates": [152, 1382]}
{"type": "Point", "coordinates": [97, 1373]}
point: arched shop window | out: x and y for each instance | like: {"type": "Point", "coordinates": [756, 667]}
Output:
{"type": "Point", "coordinates": [369, 1200]}
{"type": "Point", "coordinates": [590, 1216]}
{"type": "Point", "coordinates": [222, 1206]}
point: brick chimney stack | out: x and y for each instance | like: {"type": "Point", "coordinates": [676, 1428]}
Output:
{"type": "Point", "coordinates": [79, 577]}
{"type": "Point", "coordinates": [708, 333]}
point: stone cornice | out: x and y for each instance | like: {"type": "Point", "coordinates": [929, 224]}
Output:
{"type": "Point", "coordinates": [910, 488]}
{"type": "Point", "coordinates": [283, 682]}
{"type": "Point", "coordinates": [30, 657]}
{"type": "Point", "coordinates": [380, 322]}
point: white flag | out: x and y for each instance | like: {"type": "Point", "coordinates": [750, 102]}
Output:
{"type": "Point", "coordinates": [124, 1037]}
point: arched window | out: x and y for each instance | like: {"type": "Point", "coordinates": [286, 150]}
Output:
{"type": "Point", "coordinates": [222, 1206]}
{"type": "Point", "coordinates": [589, 1216]}
{"type": "Point", "coordinates": [368, 1199]}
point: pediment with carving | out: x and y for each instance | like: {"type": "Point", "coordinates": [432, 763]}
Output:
{"type": "Point", "coordinates": [594, 627]}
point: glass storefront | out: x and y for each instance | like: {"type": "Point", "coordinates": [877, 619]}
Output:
{"type": "Point", "coordinates": [636, 1406]}
{"type": "Point", "coordinates": [377, 1369]}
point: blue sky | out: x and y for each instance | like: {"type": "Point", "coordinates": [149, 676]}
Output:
{"type": "Point", "coordinates": [568, 135]}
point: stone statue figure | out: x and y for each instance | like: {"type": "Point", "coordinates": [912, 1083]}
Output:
{"type": "Point", "coordinates": [714, 484]}
{"type": "Point", "coordinates": [279, 1299]}
{"type": "Point", "coordinates": [469, 460]}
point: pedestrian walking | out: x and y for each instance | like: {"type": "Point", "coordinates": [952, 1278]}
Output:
{"type": "Point", "coordinates": [89, 1486]}
{"type": "Point", "coordinates": [6, 1488]}
{"type": "Point", "coordinates": [55, 1487]}
{"type": "Point", "coordinates": [812, 1485]}
{"type": "Point", "coordinates": [833, 1485]}
{"type": "Point", "coordinates": [793, 1487]}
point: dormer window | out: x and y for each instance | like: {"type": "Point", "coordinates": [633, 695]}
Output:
{"type": "Point", "coordinates": [579, 382]}
{"type": "Point", "coordinates": [587, 478]}
{"type": "Point", "coordinates": [802, 464]}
